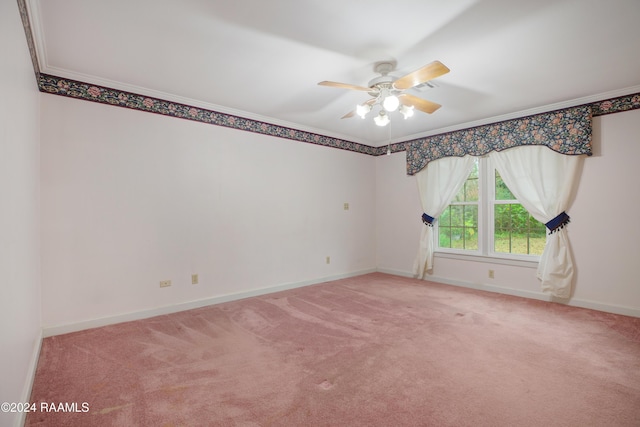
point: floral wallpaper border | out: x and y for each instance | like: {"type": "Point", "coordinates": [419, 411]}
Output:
{"type": "Point", "coordinates": [75, 89]}
{"type": "Point", "coordinates": [79, 90]}
{"type": "Point", "coordinates": [89, 92]}
{"type": "Point", "coordinates": [616, 105]}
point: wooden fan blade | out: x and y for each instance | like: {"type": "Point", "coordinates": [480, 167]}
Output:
{"type": "Point", "coordinates": [418, 103]}
{"type": "Point", "coordinates": [345, 86]}
{"type": "Point", "coordinates": [424, 74]}
{"type": "Point", "coordinates": [353, 112]}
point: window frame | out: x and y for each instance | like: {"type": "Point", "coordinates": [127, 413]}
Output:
{"type": "Point", "coordinates": [486, 223]}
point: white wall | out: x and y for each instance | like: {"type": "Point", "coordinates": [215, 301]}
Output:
{"type": "Point", "coordinates": [131, 198]}
{"type": "Point", "coordinates": [604, 229]}
{"type": "Point", "coordinates": [398, 213]}
{"type": "Point", "coordinates": [19, 241]}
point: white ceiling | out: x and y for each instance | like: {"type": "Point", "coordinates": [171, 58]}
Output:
{"type": "Point", "coordinates": [263, 59]}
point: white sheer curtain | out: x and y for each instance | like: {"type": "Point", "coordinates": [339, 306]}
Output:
{"type": "Point", "coordinates": [438, 183]}
{"type": "Point", "coordinates": [544, 181]}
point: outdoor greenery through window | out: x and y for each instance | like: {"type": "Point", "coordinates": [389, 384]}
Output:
{"type": "Point", "coordinates": [515, 231]}
{"type": "Point", "coordinates": [485, 218]}
{"type": "Point", "coordinates": [458, 224]}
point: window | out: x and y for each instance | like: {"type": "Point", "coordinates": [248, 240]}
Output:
{"type": "Point", "coordinates": [485, 219]}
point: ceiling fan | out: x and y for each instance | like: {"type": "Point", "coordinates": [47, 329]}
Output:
{"type": "Point", "coordinates": [389, 91]}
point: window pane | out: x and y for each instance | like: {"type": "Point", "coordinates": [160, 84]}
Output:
{"type": "Point", "coordinates": [457, 217]}
{"type": "Point", "coordinates": [502, 243]}
{"type": "Point", "coordinates": [470, 227]}
{"type": "Point", "coordinates": [457, 241]}
{"type": "Point", "coordinates": [444, 236]}
{"type": "Point", "coordinates": [502, 191]}
{"type": "Point", "coordinates": [445, 218]}
{"type": "Point", "coordinates": [502, 217]}
{"type": "Point", "coordinates": [444, 228]}
{"type": "Point", "coordinates": [470, 216]}
{"type": "Point", "coordinates": [517, 232]}
{"type": "Point", "coordinates": [471, 241]}
{"type": "Point", "coordinates": [462, 232]}
{"type": "Point", "coordinates": [458, 224]}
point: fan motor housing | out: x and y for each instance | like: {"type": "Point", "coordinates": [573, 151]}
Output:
{"type": "Point", "coordinates": [382, 80]}
{"type": "Point", "coordinates": [383, 68]}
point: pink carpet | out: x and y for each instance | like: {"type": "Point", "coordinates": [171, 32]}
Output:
{"type": "Point", "coordinates": [374, 350]}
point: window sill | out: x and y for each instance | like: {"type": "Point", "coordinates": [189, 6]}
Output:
{"type": "Point", "coordinates": [488, 259]}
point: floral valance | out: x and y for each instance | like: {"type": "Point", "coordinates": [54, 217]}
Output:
{"type": "Point", "coordinates": [566, 131]}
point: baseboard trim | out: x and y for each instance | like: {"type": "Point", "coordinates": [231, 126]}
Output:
{"type": "Point", "coordinates": [573, 302]}
{"type": "Point", "coordinates": [31, 376]}
{"type": "Point", "coordinates": [396, 272]}
{"type": "Point", "coordinates": [145, 314]}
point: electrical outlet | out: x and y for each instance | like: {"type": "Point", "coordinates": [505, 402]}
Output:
{"type": "Point", "coordinates": [328, 260]}
{"type": "Point", "coordinates": [491, 274]}
{"type": "Point", "coordinates": [346, 206]}
{"type": "Point", "coordinates": [165, 283]}
{"type": "Point", "coordinates": [194, 279]}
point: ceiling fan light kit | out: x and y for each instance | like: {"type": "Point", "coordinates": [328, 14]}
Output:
{"type": "Point", "coordinates": [390, 102]}
{"type": "Point", "coordinates": [388, 92]}
{"type": "Point", "coordinates": [363, 110]}
{"type": "Point", "coordinates": [382, 119]}
{"type": "Point", "coordinates": [407, 111]}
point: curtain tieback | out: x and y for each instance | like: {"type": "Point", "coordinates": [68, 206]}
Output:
{"type": "Point", "coordinates": [428, 220]}
{"type": "Point", "coordinates": [558, 222]}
